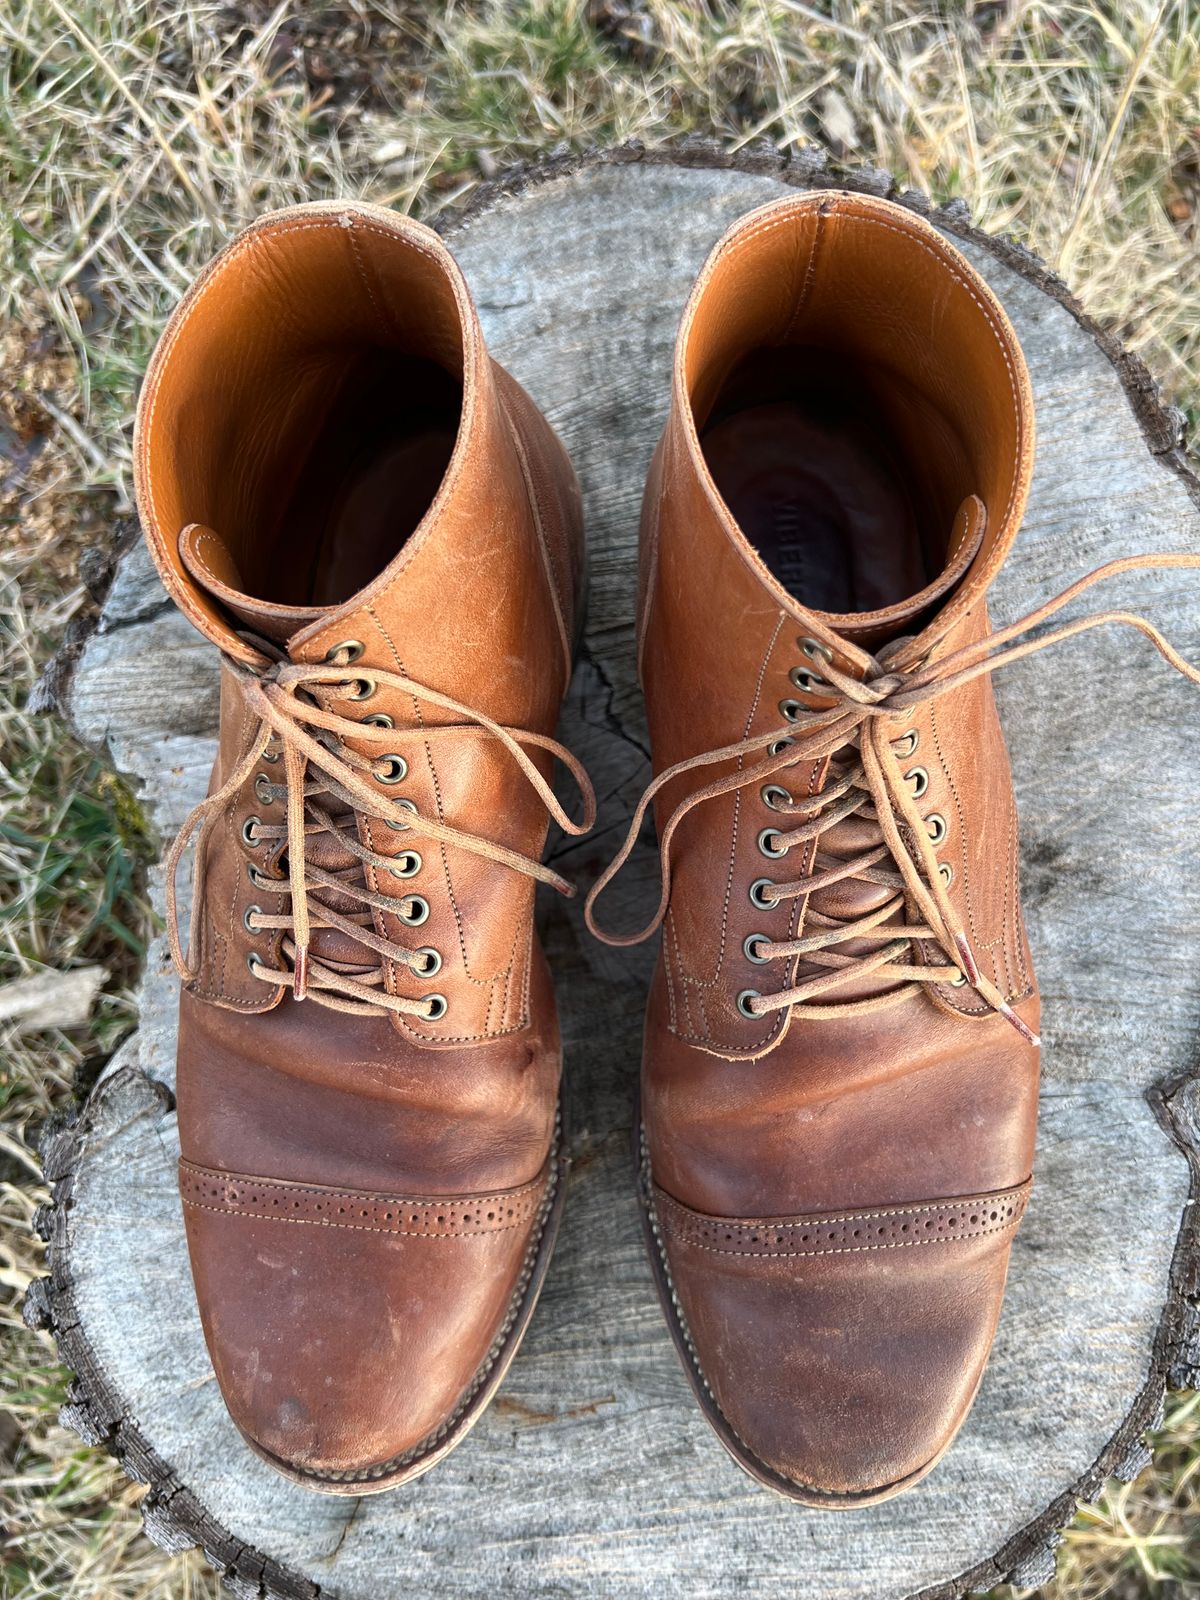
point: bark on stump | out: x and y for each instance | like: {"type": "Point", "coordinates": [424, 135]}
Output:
{"type": "Point", "coordinates": [593, 1474]}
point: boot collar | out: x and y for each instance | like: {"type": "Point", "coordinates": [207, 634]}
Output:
{"type": "Point", "coordinates": [182, 446]}
{"type": "Point", "coordinates": [801, 261]}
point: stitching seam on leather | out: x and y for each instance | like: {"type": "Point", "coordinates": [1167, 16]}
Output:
{"type": "Point", "coordinates": [687, 979]}
{"type": "Point", "coordinates": [964, 1007]}
{"type": "Point", "coordinates": [430, 1202]}
{"type": "Point", "coordinates": [541, 540]}
{"type": "Point", "coordinates": [409, 1030]}
{"type": "Point", "coordinates": [356, 1227]}
{"type": "Point", "coordinates": [685, 1332]}
{"type": "Point", "coordinates": [847, 1250]}
{"type": "Point", "coordinates": [810, 274]}
{"type": "Point", "coordinates": [963, 1219]}
{"type": "Point", "coordinates": [214, 945]}
{"type": "Point", "coordinates": [1013, 994]}
{"type": "Point", "coordinates": [977, 1202]}
{"type": "Point", "coordinates": [385, 323]}
{"type": "Point", "coordinates": [204, 538]}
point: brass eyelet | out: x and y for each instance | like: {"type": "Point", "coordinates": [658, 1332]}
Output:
{"type": "Point", "coordinates": [431, 965]}
{"type": "Point", "coordinates": [743, 1003]}
{"type": "Point", "coordinates": [252, 963]}
{"type": "Point", "coordinates": [251, 911]}
{"type": "Point", "coordinates": [906, 744]}
{"type": "Point", "coordinates": [807, 681]}
{"type": "Point", "coordinates": [259, 880]}
{"type": "Point", "coordinates": [749, 948]}
{"type": "Point", "coordinates": [378, 719]}
{"type": "Point", "coordinates": [758, 890]}
{"type": "Point", "coordinates": [262, 789]}
{"type": "Point", "coordinates": [789, 710]}
{"type": "Point", "coordinates": [919, 779]}
{"type": "Point", "coordinates": [394, 823]}
{"type": "Point", "coordinates": [436, 1007]}
{"type": "Point", "coordinates": [764, 845]}
{"type": "Point", "coordinates": [417, 913]}
{"type": "Point", "coordinates": [778, 746]}
{"type": "Point", "coordinates": [815, 650]}
{"type": "Point", "coordinates": [957, 983]}
{"type": "Point", "coordinates": [946, 873]}
{"type": "Point", "coordinates": [353, 649]}
{"type": "Point", "coordinates": [391, 769]}
{"type": "Point", "coordinates": [936, 824]}
{"type": "Point", "coordinates": [270, 755]}
{"type": "Point", "coordinates": [250, 831]}
{"type": "Point", "coordinates": [406, 865]}
{"type": "Point", "coordinates": [361, 689]}
{"type": "Point", "coordinates": [773, 795]}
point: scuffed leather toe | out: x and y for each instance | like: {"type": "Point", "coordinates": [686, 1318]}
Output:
{"type": "Point", "coordinates": [353, 1334]}
{"type": "Point", "coordinates": [838, 1355]}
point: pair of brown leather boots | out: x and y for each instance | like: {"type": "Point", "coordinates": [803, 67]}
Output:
{"type": "Point", "coordinates": [383, 536]}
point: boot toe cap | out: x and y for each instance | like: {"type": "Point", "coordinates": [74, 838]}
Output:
{"type": "Point", "coordinates": [837, 1375]}
{"type": "Point", "coordinates": [350, 1348]}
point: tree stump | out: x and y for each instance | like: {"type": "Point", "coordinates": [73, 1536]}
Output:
{"type": "Point", "coordinates": [593, 1473]}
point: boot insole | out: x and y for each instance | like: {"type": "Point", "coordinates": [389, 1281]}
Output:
{"type": "Point", "coordinates": [822, 503]}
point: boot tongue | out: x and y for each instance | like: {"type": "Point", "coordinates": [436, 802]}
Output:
{"type": "Point", "coordinates": [852, 898]}
{"type": "Point", "coordinates": [874, 628]}
{"type": "Point", "coordinates": [208, 559]}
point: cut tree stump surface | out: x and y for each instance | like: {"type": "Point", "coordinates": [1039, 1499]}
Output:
{"type": "Point", "coordinates": [593, 1473]}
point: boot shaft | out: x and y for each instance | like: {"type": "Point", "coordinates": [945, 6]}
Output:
{"type": "Point", "coordinates": [850, 309]}
{"type": "Point", "coordinates": [331, 469]}
{"type": "Point", "coordinates": [843, 470]}
{"type": "Point", "coordinates": [310, 338]}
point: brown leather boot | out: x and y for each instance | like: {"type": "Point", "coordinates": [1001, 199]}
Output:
{"type": "Point", "coordinates": [839, 1087]}
{"type": "Point", "coordinates": [382, 535]}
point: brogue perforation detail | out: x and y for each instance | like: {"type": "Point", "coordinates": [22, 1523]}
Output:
{"type": "Point", "coordinates": [273, 1200]}
{"type": "Point", "coordinates": [846, 1233]}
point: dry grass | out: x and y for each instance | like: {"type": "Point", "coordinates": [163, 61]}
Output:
{"type": "Point", "coordinates": [135, 137]}
{"type": "Point", "coordinates": [1143, 1538]}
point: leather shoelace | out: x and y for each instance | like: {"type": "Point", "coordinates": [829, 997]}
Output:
{"type": "Point", "coordinates": [871, 785]}
{"type": "Point", "coordinates": [281, 698]}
